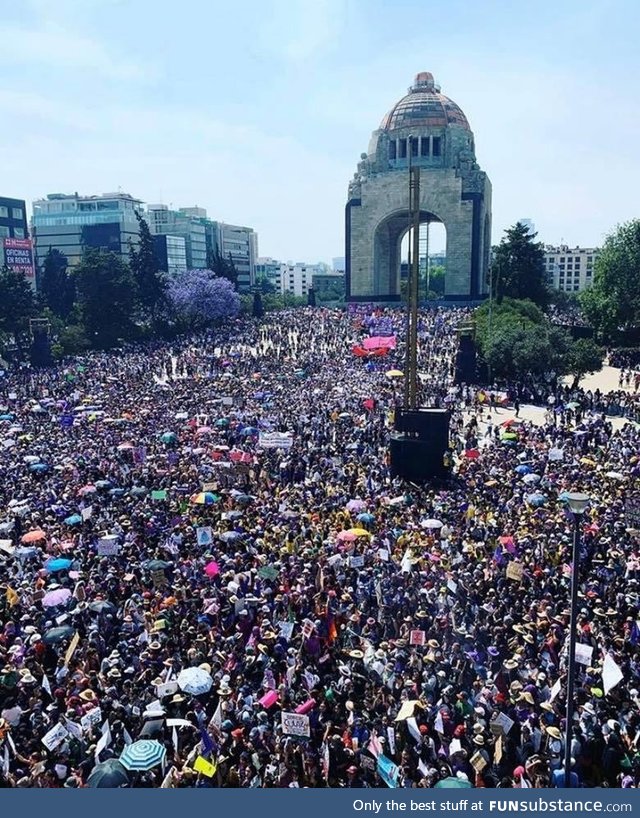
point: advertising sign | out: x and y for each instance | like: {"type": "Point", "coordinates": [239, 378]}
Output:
{"type": "Point", "coordinates": [18, 256]}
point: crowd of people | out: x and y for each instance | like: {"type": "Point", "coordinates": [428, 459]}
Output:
{"type": "Point", "coordinates": [209, 576]}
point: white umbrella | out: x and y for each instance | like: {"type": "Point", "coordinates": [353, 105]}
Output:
{"type": "Point", "coordinates": [615, 475]}
{"type": "Point", "coordinates": [195, 681]}
{"type": "Point", "coordinates": [431, 523]}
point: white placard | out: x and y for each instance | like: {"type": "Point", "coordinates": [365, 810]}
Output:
{"type": "Point", "coordinates": [356, 562]}
{"type": "Point", "coordinates": [204, 535]}
{"type": "Point", "coordinates": [90, 719]}
{"type": "Point", "coordinates": [55, 736]}
{"type": "Point", "coordinates": [275, 440]}
{"type": "Point", "coordinates": [108, 546]}
{"type": "Point", "coordinates": [166, 689]}
{"type": "Point", "coordinates": [584, 654]}
{"type": "Point", "coordinates": [295, 724]}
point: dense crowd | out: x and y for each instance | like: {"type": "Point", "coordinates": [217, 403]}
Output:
{"type": "Point", "coordinates": [209, 577]}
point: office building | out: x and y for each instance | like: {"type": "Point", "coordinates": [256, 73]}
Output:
{"type": "Point", "coordinates": [269, 269]}
{"type": "Point", "coordinates": [338, 264]}
{"type": "Point", "coordinates": [13, 219]}
{"type": "Point", "coordinates": [241, 244]}
{"type": "Point", "coordinates": [569, 269]}
{"type": "Point", "coordinates": [70, 222]}
{"type": "Point", "coordinates": [328, 286]}
{"type": "Point", "coordinates": [171, 252]}
{"type": "Point", "coordinates": [16, 251]}
{"type": "Point", "coordinates": [166, 222]}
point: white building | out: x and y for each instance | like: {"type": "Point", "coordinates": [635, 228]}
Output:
{"type": "Point", "coordinates": [569, 269]}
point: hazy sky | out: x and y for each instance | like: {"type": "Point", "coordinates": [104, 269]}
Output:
{"type": "Point", "coordinates": [259, 111]}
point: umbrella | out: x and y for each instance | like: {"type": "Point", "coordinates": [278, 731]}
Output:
{"type": "Point", "coordinates": [169, 437]}
{"type": "Point", "coordinates": [615, 475]}
{"type": "Point", "coordinates": [143, 754]}
{"type": "Point", "coordinates": [356, 505]}
{"type": "Point", "coordinates": [394, 373]}
{"type": "Point", "coordinates": [38, 468]}
{"type": "Point", "coordinates": [110, 774]}
{"type": "Point", "coordinates": [212, 569]}
{"type": "Point", "coordinates": [511, 422]}
{"type": "Point", "coordinates": [54, 635]}
{"type": "Point", "coordinates": [55, 598]}
{"type": "Point", "coordinates": [102, 606]}
{"type": "Point", "coordinates": [34, 536]}
{"type": "Point", "coordinates": [116, 492]}
{"type": "Point", "coordinates": [103, 484]}
{"type": "Point", "coordinates": [195, 681]}
{"type": "Point", "coordinates": [230, 536]}
{"type": "Point", "coordinates": [156, 565]}
{"type": "Point", "coordinates": [359, 532]}
{"type": "Point", "coordinates": [221, 422]}
{"type": "Point", "coordinates": [472, 454]}
{"type": "Point", "coordinates": [431, 523]}
{"type": "Point", "coordinates": [57, 564]}
{"type": "Point", "coordinates": [31, 458]}
{"type": "Point", "coordinates": [452, 783]}
{"type": "Point", "coordinates": [509, 436]}
{"type": "Point", "coordinates": [249, 430]}
{"type": "Point", "coordinates": [204, 498]}
{"type": "Point", "coordinates": [138, 491]}
{"type": "Point", "coordinates": [523, 468]}
{"type": "Point", "coordinates": [573, 405]}
{"type": "Point", "coordinates": [88, 489]}
{"type": "Point", "coordinates": [531, 479]}
{"type": "Point", "coordinates": [536, 499]}
{"type": "Point", "coordinates": [74, 519]}
{"type": "Point", "coordinates": [243, 498]}
{"type": "Point", "coordinates": [365, 518]}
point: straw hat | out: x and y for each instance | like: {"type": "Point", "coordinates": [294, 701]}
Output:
{"type": "Point", "coordinates": [554, 732]}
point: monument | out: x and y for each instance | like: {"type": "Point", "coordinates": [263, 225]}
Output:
{"type": "Point", "coordinates": [424, 129]}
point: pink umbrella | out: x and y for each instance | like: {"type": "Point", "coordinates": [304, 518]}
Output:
{"type": "Point", "coordinates": [88, 489]}
{"type": "Point", "coordinates": [204, 430]}
{"type": "Point", "coordinates": [346, 536]}
{"type": "Point", "coordinates": [212, 569]}
{"type": "Point", "coordinates": [356, 505]}
{"type": "Point", "coordinates": [55, 598]}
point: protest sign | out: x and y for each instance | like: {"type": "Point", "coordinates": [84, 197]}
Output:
{"type": "Point", "coordinates": [90, 719]}
{"type": "Point", "coordinates": [72, 648]}
{"type": "Point", "coordinates": [295, 724]}
{"type": "Point", "coordinates": [108, 546]}
{"type": "Point", "coordinates": [275, 440]}
{"type": "Point", "coordinates": [201, 765]}
{"type": "Point", "coordinates": [611, 674]}
{"type": "Point", "coordinates": [503, 722]}
{"type": "Point", "coordinates": [55, 736]}
{"type": "Point", "coordinates": [514, 571]}
{"type": "Point", "coordinates": [204, 535]}
{"type": "Point", "coordinates": [166, 689]}
{"type": "Point", "coordinates": [584, 654]}
{"type": "Point", "coordinates": [387, 771]}
{"type": "Point", "coordinates": [286, 629]}
{"type": "Point", "coordinates": [159, 578]}
{"type": "Point", "coordinates": [417, 637]}
{"type": "Point", "coordinates": [357, 561]}
{"type": "Point", "coordinates": [268, 572]}
{"type": "Point", "coordinates": [478, 762]}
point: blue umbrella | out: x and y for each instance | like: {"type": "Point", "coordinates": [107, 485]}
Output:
{"type": "Point", "coordinates": [230, 536]}
{"type": "Point", "coordinates": [142, 755]}
{"type": "Point", "coordinates": [365, 518]}
{"type": "Point", "coordinates": [116, 492]}
{"type": "Point", "coordinates": [110, 774]}
{"type": "Point", "coordinates": [7, 417]}
{"type": "Point", "coordinates": [103, 484]}
{"type": "Point", "coordinates": [57, 564]}
{"type": "Point", "coordinates": [39, 468]}
{"type": "Point", "coordinates": [249, 430]}
{"type": "Point", "coordinates": [536, 499]}
{"type": "Point", "coordinates": [523, 469]}
{"type": "Point", "coordinates": [74, 519]}
{"type": "Point", "coordinates": [563, 496]}
{"type": "Point", "coordinates": [169, 437]}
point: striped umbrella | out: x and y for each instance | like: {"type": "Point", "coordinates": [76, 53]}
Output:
{"type": "Point", "coordinates": [143, 754]}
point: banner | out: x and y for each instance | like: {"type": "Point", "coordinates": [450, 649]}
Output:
{"type": "Point", "coordinates": [387, 771]}
{"type": "Point", "coordinates": [18, 256]}
{"type": "Point", "coordinates": [275, 440]}
{"type": "Point", "coordinates": [295, 724]}
{"type": "Point", "coordinates": [108, 546]}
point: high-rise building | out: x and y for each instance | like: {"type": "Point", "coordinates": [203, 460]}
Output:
{"type": "Point", "coordinates": [171, 252]}
{"type": "Point", "coordinates": [13, 219]}
{"type": "Point", "coordinates": [241, 244]}
{"type": "Point", "coordinates": [269, 269]}
{"type": "Point", "coordinates": [166, 222]}
{"type": "Point", "coordinates": [70, 222]}
{"type": "Point", "coordinates": [16, 249]}
{"type": "Point", "coordinates": [569, 269]}
{"type": "Point", "coordinates": [338, 264]}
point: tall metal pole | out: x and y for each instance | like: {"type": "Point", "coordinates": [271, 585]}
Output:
{"type": "Point", "coordinates": [571, 654]}
{"type": "Point", "coordinates": [414, 277]}
{"type": "Point", "coordinates": [409, 268]}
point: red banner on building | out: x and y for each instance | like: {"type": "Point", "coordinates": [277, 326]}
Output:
{"type": "Point", "coordinates": [18, 256]}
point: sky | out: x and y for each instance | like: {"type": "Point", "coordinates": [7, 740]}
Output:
{"type": "Point", "coordinates": [259, 110]}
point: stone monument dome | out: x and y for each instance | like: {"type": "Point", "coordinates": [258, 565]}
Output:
{"type": "Point", "coordinates": [428, 130]}
{"type": "Point", "coordinates": [424, 107]}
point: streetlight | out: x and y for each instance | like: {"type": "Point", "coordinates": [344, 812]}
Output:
{"type": "Point", "coordinates": [578, 504]}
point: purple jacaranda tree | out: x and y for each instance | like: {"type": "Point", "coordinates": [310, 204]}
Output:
{"type": "Point", "coordinates": [199, 298]}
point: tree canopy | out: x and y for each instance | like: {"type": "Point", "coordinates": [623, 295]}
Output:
{"type": "Point", "coordinates": [16, 301]}
{"type": "Point", "coordinates": [145, 268]}
{"type": "Point", "coordinates": [518, 269]}
{"type": "Point", "coordinates": [200, 298]}
{"type": "Point", "coordinates": [613, 301]}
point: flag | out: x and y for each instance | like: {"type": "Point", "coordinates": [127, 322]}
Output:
{"type": "Point", "coordinates": [12, 597]}
{"type": "Point", "coordinates": [45, 684]}
{"type": "Point", "coordinates": [216, 719]}
{"type": "Point", "coordinates": [387, 771]}
{"type": "Point", "coordinates": [439, 724]}
{"type": "Point", "coordinates": [634, 634]}
{"type": "Point", "coordinates": [374, 746]}
{"type": "Point", "coordinates": [207, 743]}
{"type": "Point", "coordinates": [126, 736]}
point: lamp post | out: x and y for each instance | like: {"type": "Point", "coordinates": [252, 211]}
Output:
{"type": "Point", "coordinates": [578, 505]}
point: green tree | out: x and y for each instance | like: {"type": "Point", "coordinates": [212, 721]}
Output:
{"type": "Point", "coordinates": [311, 297]}
{"type": "Point", "coordinates": [223, 267]}
{"type": "Point", "coordinates": [106, 295]}
{"type": "Point", "coordinates": [17, 303]}
{"type": "Point", "coordinates": [518, 269]}
{"type": "Point", "coordinates": [258, 306]}
{"type": "Point", "coordinates": [613, 300]}
{"type": "Point", "coordinates": [57, 287]}
{"type": "Point", "coordinates": [436, 282]}
{"type": "Point", "coordinates": [149, 282]}
{"type": "Point", "coordinates": [584, 356]}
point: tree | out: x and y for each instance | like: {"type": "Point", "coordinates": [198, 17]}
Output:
{"type": "Point", "coordinates": [222, 267]}
{"type": "Point", "coordinates": [258, 306]}
{"type": "Point", "coordinates": [311, 297]}
{"type": "Point", "coordinates": [145, 268]}
{"type": "Point", "coordinates": [436, 281]}
{"type": "Point", "coordinates": [199, 298]}
{"type": "Point", "coordinates": [584, 356]}
{"type": "Point", "coordinates": [613, 300]}
{"type": "Point", "coordinates": [106, 295]}
{"type": "Point", "coordinates": [518, 269]}
{"type": "Point", "coordinates": [57, 286]}
{"type": "Point", "coordinates": [17, 303]}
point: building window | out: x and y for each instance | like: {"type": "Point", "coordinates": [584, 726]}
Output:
{"type": "Point", "coordinates": [424, 146]}
{"type": "Point", "coordinates": [17, 213]}
{"type": "Point", "coordinates": [392, 149]}
{"type": "Point", "coordinates": [4, 212]}
{"type": "Point", "coordinates": [18, 232]}
{"type": "Point", "coordinates": [403, 149]}
{"type": "Point", "coordinates": [414, 146]}
{"type": "Point", "coordinates": [435, 146]}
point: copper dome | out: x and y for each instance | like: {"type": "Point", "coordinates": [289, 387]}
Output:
{"type": "Point", "coordinates": [424, 106]}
